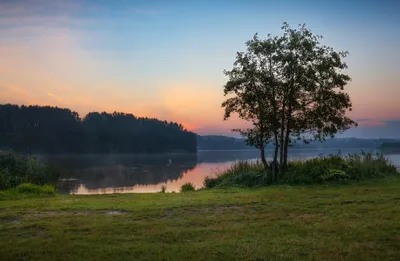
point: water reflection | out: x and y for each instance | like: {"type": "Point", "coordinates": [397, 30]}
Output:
{"type": "Point", "coordinates": [106, 174]}
{"type": "Point", "coordinates": [195, 176]}
{"type": "Point", "coordinates": [109, 173]}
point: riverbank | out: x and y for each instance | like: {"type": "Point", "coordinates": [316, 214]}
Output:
{"type": "Point", "coordinates": [357, 221]}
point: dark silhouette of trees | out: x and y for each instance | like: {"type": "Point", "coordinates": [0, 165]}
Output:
{"type": "Point", "coordinates": [290, 87]}
{"type": "Point", "coordinates": [37, 129]}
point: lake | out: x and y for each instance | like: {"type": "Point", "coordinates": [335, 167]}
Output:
{"type": "Point", "coordinates": [106, 174]}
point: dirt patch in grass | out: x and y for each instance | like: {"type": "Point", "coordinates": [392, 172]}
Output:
{"type": "Point", "coordinates": [10, 220]}
{"type": "Point", "coordinates": [77, 213]}
{"type": "Point", "coordinates": [227, 208]}
{"type": "Point", "coordinates": [117, 212]}
{"type": "Point", "coordinates": [204, 210]}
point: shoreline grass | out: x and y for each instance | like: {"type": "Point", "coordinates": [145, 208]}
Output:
{"type": "Point", "coordinates": [328, 169]}
{"type": "Point", "coordinates": [27, 190]}
{"type": "Point", "coordinates": [357, 221]}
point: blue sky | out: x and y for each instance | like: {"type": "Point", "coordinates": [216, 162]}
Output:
{"type": "Point", "coordinates": [165, 59]}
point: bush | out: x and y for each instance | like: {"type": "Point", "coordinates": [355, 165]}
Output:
{"type": "Point", "coordinates": [251, 179]}
{"type": "Point", "coordinates": [17, 169]}
{"type": "Point", "coordinates": [210, 182]}
{"type": "Point", "coordinates": [187, 187]}
{"type": "Point", "coordinates": [163, 189]}
{"type": "Point", "coordinates": [334, 168]}
{"type": "Point", "coordinates": [27, 190]}
{"type": "Point", "coordinates": [240, 174]}
{"type": "Point", "coordinates": [327, 169]}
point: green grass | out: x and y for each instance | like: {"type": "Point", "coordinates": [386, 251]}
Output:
{"type": "Point", "coordinates": [27, 190]}
{"type": "Point", "coordinates": [358, 221]}
{"type": "Point", "coordinates": [321, 170]}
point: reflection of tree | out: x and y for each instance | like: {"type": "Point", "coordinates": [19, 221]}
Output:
{"type": "Point", "coordinates": [100, 171]}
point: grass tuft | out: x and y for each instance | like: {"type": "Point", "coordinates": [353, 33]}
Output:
{"type": "Point", "coordinates": [187, 187]}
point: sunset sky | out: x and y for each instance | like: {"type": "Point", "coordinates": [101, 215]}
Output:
{"type": "Point", "coordinates": [165, 59]}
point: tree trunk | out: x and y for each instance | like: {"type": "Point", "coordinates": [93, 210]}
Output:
{"type": "Point", "coordinates": [286, 146]}
{"type": "Point", "coordinates": [264, 161]}
{"type": "Point", "coordinates": [287, 137]}
{"type": "Point", "coordinates": [275, 160]}
{"type": "Point", "coordinates": [288, 127]}
{"type": "Point", "coordinates": [281, 143]}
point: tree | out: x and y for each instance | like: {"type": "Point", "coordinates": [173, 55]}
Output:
{"type": "Point", "coordinates": [290, 87]}
{"type": "Point", "coordinates": [54, 130]}
{"type": "Point", "coordinates": [249, 99]}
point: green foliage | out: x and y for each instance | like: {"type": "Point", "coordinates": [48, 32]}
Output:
{"type": "Point", "coordinates": [251, 179]}
{"type": "Point", "coordinates": [334, 174]}
{"type": "Point", "coordinates": [17, 169]}
{"type": "Point", "coordinates": [187, 187]}
{"type": "Point", "coordinates": [289, 87]}
{"type": "Point", "coordinates": [327, 169]}
{"type": "Point", "coordinates": [210, 182]}
{"type": "Point", "coordinates": [27, 190]}
{"type": "Point", "coordinates": [240, 174]}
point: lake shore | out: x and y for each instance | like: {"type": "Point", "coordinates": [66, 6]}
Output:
{"type": "Point", "coordinates": [357, 221]}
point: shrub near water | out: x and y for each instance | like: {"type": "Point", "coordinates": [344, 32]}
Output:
{"type": "Point", "coordinates": [27, 190]}
{"type": "Point", "coordinates": [17, 169]}
{"type": "Point", "coordinates": [187, 187]}
{"type": "Point", "coordinates": [332, 168]}
{"type": "Point", "coordinates": [242, 174]}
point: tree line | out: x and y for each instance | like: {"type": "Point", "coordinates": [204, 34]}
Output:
{"type": "Point", "coordinates": [291, 88]}
{"type": "Point", "coordinates": [214, 142]}
{"type": "Point", "coordinates": [45, 129]}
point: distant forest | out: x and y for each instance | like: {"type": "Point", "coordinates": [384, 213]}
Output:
{"type": "Point", "coordinates": [45, 129]}
{"type": "Point", "coordinates": [216, 142]}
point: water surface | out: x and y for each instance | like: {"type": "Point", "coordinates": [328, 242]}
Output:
{"type": "Point", "coordinates": [105, 174]}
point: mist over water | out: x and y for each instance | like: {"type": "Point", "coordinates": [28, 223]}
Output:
{"type": "Point", "coordinates": [106, 174]}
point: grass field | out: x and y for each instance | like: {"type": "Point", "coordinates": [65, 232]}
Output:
{"type": "Point", "coordinates": [349, 222]}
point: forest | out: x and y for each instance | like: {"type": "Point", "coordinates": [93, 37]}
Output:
{"type": "Point", "coordinates": [45, 129]}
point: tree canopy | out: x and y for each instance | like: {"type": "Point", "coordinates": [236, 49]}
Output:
{"type": "Point", "coordinates": [48, 129]}
{"type": "Point", "coordinates": [290, 87]}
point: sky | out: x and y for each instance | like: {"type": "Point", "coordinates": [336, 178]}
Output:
{"type": "Point", "coordinates": [165, 59]}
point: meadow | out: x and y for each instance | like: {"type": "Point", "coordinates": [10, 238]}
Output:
{"type": "Point", "coordinates": [356, 221]}
{"type": "Point", "coordinates": [326, 208]}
